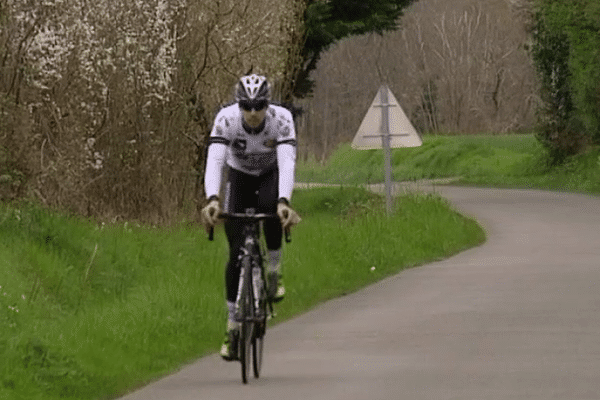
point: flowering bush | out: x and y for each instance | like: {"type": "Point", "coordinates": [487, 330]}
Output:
{"type": "Point", "coordinates": [112, 91]}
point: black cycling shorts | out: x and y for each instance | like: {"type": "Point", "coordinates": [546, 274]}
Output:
{"type": "Point", "coordinates": [244, 191]}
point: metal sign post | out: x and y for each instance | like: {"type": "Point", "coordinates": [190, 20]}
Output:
{"type": "Point", "coordinates": [385, 143]}
{"type": "Point", "coordinates": [385, 126]}
{"type": "Point", "coordinates": [386, 139]}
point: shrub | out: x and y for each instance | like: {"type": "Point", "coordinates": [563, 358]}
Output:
{"type": "Point", "coordinates": [566, 54]}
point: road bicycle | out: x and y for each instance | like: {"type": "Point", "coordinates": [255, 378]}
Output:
{"type": "Point", "coordinates": [253, 307]}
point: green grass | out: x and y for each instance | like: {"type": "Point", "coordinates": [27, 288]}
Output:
{"type": "Point", "coordinates": [438, 157]}
{"type": "Point", "coordinates": [90, 312]}
{"type": "Point", "coordinates": [100, 309]}
{"type": "Point", "coordinates": [517, 161]}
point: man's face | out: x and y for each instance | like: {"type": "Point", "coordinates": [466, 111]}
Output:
{"type": "Point", "coordinates": [254, 111]}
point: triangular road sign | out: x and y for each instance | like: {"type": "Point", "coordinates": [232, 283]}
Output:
{"type": "Point", "coordinates": [385, 117]}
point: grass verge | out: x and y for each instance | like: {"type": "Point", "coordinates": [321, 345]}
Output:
{"type": "Point", "coordinates": [90, 312]}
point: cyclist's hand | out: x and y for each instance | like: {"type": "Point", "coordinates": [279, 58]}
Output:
{"type": "Point", "coordinates": [287, 215]}
{"type": "Point", "coordinates": [210, 214]}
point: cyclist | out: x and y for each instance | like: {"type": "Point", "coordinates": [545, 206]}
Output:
{"type": "Point", "coordinates": [256, 140]}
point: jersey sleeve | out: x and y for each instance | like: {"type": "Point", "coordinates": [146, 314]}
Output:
{"type": "Point", "coordinates": [286, 155]}
{"type": "Point", "coordinates": [218, 143]}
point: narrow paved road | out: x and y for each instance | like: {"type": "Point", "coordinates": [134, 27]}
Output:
{"type": "Point", "coordinates": [516, 318]}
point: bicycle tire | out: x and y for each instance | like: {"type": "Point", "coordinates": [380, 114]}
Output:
{"type": "Point", "coordinates": [246, 349]}
{"type": "Point", "coordinates": [257, 354]}
{"type": "Point", "coordinates": [260, 328]}
{"type": "Point", "coordinates": [246, 329]}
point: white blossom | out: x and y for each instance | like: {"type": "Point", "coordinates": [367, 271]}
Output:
{"type": "Point", "coordinates": [131, 39]}
{"type": "Point", "coordinates": [94, 158]}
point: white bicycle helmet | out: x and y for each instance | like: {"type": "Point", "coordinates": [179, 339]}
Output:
{"type": "Point", "coordinates": [253, 87]}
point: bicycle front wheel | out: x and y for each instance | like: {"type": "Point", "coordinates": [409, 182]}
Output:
{"type": "Point", "coordinates": [246, 349]}
{"type": "Point", "coordinates": [257, 354]}
{"type": "Point", "coordinates": [260, 329]}
{"type": "Point", "coordinates": [247, 328]}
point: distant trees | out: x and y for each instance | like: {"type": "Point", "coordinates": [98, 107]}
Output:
{"type": "Point", "coordinates": [474, 73]}
{"type": "Point", "coordinates": [469, 66]}
{"type": "Point", "coordinates": [456, 67]}
{"type": "Point", "coordinates": [327, 22]}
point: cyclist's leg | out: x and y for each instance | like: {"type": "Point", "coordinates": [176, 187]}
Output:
{"type": "Point", "coordinates": [232, 273]}
{"type": "Point", "coordinates": [234, 231]}
{"type": "Point", "coordinates": [268, 196]}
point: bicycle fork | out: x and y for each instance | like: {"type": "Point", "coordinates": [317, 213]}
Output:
{"type": "Point", "coordinates": [256, 287]}
{"type": "Point", "coordinates": [239, 313]}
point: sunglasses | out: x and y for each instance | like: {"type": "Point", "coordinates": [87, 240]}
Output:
{"type": "Point", "coordinates": [256, 105]}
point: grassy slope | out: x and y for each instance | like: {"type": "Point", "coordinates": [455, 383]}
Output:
{"type": "Point", "coordinates": [502, 161]}
{"type": "Point", "coordinates": [88, 312]}
{"type": "Point", "coordinates": [439, 156]}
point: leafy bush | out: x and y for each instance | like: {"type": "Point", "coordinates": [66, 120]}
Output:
{"type": "Point", "coordinates": [567, 56]}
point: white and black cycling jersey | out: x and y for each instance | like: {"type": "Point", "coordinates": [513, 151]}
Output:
{"type": "Point", "coordinates": [252, 151]}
